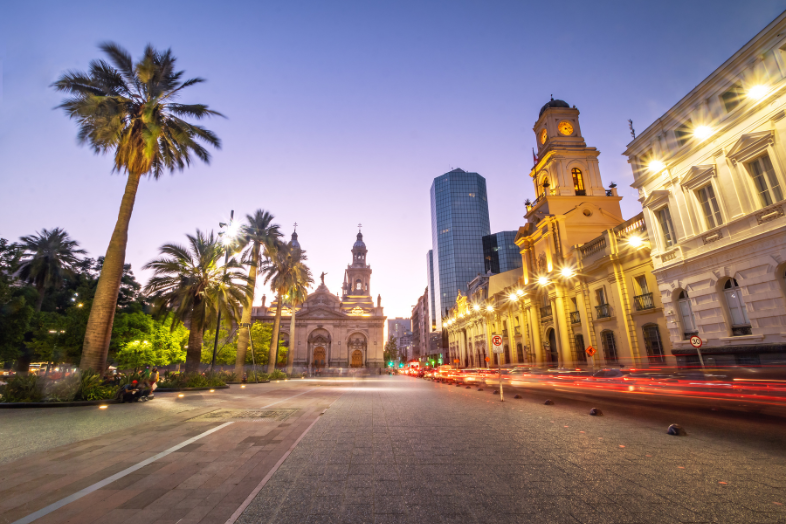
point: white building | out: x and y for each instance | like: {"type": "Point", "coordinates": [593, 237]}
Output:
{"type": "Point", "coordinates": [711, 176]}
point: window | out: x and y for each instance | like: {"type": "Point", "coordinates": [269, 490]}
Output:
{"type": "Point", "coordinates": [652, 343]}
{"type": "Point", "coordinates": [683, 133]}
{"type": "Point", "coordinates": [519, 353]}
{"type": "Point", "coordinates": [710, 206]}
{"type": "Point", "coordinates": [740, 324]}
{"type": "Point", "coordinates": [641, 285]}
{"type": "Point", "coordinates": [732, 98]}
{"type": "Point", "coordinates": [643, 298]}
{"type": "Point", "coordinates": [581, 356]}
{"type": "Point", "coordinates": [507, 354]}
{"type": "Point", "coordinates": [609, 346]}
{"type": "Point", "coordinates": [686, 314]}
{"type": "Point", "coordinates": [664, 218]}
{"type": "Point", "coordinates": [767, 185]}
{"type": "Point", "coordinates": [578, 182]}
{"type": "Point", "coordinates": [600, 296]}
{"type": "Point", "coordinates": [358, 285]}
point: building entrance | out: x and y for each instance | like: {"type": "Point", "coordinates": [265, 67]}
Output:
{"type": "Point", "coordinates": [319, 357]}
{"type": "Point", "coordinates": [552, 354]}
{"type": "Point", "coordinates": [357, 359]}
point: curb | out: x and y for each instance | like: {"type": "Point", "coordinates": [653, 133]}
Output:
{"type": "Point", "coordinates": [175, 390]}
{"type": "Point", "coordinates": [21, 405]}
{"type": "Point", "coordinates": [247, 383]}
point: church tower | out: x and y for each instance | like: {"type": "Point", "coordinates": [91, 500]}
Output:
{"type": "Point", "coordinates": [357, 277]}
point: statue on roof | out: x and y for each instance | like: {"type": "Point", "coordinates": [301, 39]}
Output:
{"type": "Point", "coordinates": [322, 277]}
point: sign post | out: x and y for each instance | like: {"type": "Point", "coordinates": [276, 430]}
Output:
{"type": "Point", "coordinates": [496, 344]}
{"type": "Point", "coordinates": [696, 342]}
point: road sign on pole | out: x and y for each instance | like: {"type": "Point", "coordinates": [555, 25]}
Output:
{"type": "Point", "coordinates": [697, 342]}
{"type": "Point", "coordinates": [496, 342]}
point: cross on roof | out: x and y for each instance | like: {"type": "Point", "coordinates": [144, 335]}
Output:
{"type": "Point", "coordinates": [295, 226]}
{"type": "Point", "coordinates": [359, 226]}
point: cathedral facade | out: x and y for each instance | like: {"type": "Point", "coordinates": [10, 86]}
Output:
{"type": "Point", "coordinates": [333, 331]}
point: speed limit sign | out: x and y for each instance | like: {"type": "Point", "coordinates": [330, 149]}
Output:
{"type": "Point", "coordinates": [496, 342]}
{"type": "Point", "coordinates": [695, 341]}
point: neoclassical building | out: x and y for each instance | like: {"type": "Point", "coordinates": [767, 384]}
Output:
{"type": "Point", "coordinates": [711, 176]}
{"type": "Point", "coordinates": [586, 276]}
{"type": "Point", "coordinates": [336, 332]}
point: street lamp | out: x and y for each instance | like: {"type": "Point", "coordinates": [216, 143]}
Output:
{"type": "Point", "coordinates": [757, 92]}
{"type": "Point", "coordinates": [543, 280]}
{"type": "Point", "coordinates": [228, 237]}
{"type": "Point", "coordinates": [567, 272]}
{"type": "Point", "coordinates": [656, 166]}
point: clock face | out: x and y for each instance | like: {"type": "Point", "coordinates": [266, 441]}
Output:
{"type": "Point", "coordinates": [565, 127]}
{"type": "Point", "coordinates": [543, 136]}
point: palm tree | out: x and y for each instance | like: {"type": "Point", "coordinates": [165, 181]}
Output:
{"type": "Point", "coordinates": [193, 285]}
{"type": "Point", "coordinates": [259, 236]}
{"type": "Point", "coordinates": [129, 108]}
{"type": "Point", "coordinates": [48, 257]}
{"type": "Point", "coordinates": [285, 271]}
{"type": "Point", "coordinates": [296, 295]}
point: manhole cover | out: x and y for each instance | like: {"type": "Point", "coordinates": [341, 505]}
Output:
{"type": "Point", "coordinates": [246, 414]}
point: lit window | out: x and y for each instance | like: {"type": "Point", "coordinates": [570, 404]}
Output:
{"type": "Point", "coordinates": [767, 185]}
{"type": "Point", "coordinates": [358, 285]}
{"type": "Point", "coordinates": [686, 314]}
{"type": "Point", "coordinates": [578, 181]}
{"type": "Point", "coordinates": [652, 343]}
{"type": "Point", "coordinates": [740, 324]}
{"type": "Point", "coordinates": [666, 226]}
{"type": "Point", "coordinates": [709, 205]}
{"type": "Point", "coordinates": [609, 346]}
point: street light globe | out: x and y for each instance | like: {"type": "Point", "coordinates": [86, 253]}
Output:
{"type": "Point", "coordinates": [635, 241]}
{"type": "Point", "coordinates": [567, 272]}
{"type": "Point", "coordinates": [520, 292]}
{"type": "Point", "coordinates": [702, 132]}
{"type": "Point", "coordinates": [543, 281]}
{"type": "Point", "coordinates": [656, 166]}
{"type": "Point", "coordinates": [757, 92]}
{"type": "Point", "coordinates": [513, 297]}
{"type": "Point", "coordinates": [489, 308]}
{"type": "Point", "coordinates": [476, 307]}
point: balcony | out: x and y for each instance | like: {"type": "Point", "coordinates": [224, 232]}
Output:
{"type": "Point", "coordinates": [517, 331]}
{"type": "Point", "coordinates": [688, 334]}
{"type": "Point", "coordinates": [604, 311]}
{"type": "Point", "coordinates": [642, 302]}
{"type": "Point", "coordinates": [575, 317]}
{"type": "Point", "coordinates": [545, 313]}
{"type": "Point", "coordinates": [505, 333]}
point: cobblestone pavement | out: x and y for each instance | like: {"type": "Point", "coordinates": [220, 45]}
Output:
{"type": "Point", "coordinates": [399, 449]}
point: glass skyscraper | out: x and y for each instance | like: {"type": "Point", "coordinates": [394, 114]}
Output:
{"type": "Point", "coordinates": [431, 289]}
{"type": "Point", "coordinates": [500, 253]}
{"type": "Point", "coordinates": [459, 221]}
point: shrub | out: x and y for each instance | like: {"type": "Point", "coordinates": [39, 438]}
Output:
{"type": "Point", "coordinates": [277, 375]}
{"type": "Point", "coordinates": [87, 385]}
{"type": "Point", "coordinates": [24, 388]}
{"type": "Point", "coordinates": [256, 377]}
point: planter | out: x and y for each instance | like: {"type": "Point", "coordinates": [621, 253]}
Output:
{"type": "Point", "coordinates": [247, 383]}
{"type": "Point", "coordinates": [174, 390]}
{"type": "Point", "coordinates": [15, 405]}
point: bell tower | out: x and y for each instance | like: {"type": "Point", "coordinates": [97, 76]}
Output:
{"type": "Point", "coordinates": [357, 277]}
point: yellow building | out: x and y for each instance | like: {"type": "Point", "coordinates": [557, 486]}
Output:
{"type": "Point", "coordinates": [586, 279]}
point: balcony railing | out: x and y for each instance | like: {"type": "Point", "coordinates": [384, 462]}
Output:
{"type": "Point", "coordinates": [545, 312]}
{"type": "Point", "coordinates": [604, 311]}
{"type": "Point", "coordinates": [575, 317]}
{"type": "Point", "coordinates": [688, 334]}
{"type": "Point", "coordinates": [642, 302]}
{"type": "Point", "coordinates": [517, 330]}
{"type": "Point", "coordinates": [592, 247]}
{"type": "Point", "coordinates": [505, 333]}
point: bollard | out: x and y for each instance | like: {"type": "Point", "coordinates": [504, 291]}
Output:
{"type": "Point", "coordinates": [595, 412]}
{"type": "Point", "coordinates": [469, 387]}
{"type": "Point", "coordinates": [549, 403]}
{"type": "Point", "coordinates": [518, 396]}
{"type": "Point", "coordinates": [677, 431]}
{"type": "Point", "coordinates": [496, 392]}
{"type": "Point", "coordinates": [480, 389]}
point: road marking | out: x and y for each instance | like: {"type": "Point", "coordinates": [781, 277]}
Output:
{"type": "Point", "coordinates": [100, 484]}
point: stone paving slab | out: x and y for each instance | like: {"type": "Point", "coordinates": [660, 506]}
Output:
{"type": "Point", "coordinates": [398, 449]}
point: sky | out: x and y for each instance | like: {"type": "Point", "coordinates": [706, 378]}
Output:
{"type": "Point", "coordinates": [340, 113]}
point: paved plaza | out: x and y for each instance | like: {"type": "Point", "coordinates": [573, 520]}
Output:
{"type": "Point", "coordinates": [389, 449]}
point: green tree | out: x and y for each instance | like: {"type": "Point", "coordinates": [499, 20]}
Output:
{"type": "Point", "coordinates": [391, 350]}
{"type": "Point", "coordinates": [48, 258]}
{"type": "Point", "coordinates": [296, 295]}
{"type": "Point", "coordinates": [261, 336]}
{"type": "Point", "coordinates": [259, 237]}
{"type": "Point", "coordinates": [192, 285]}
{"type": "Point", "coordinates": [15, 309]}
{"type": "Point", "coordinates": [285, 271]}
{"type": "Point", "coordinates": [129, 108]}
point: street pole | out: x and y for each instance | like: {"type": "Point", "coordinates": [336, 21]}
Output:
{"type": "Point", "coordinates": [499, 370]}
{"type": "Point", "coordinates": [253, 360]}
{"type": "Point", "coordinates": [218, 320]}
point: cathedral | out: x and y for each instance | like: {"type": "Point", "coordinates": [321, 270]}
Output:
{"type": "Point", "coordinates": [333, 331]}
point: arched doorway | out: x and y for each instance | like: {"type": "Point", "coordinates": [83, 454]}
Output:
{"type": "Point", "coordinates": [552, 354]}
{"type": "Point", "coordinates": [319, 357]}
{"type": "Point", "coordinates": [357, 359]}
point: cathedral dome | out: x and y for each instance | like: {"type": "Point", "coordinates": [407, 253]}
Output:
{"type": "Point", "coordinates": [553, 103]}
{"type": "Point", "coordinates": [294, 242]}
{"type": "Point", "coordinates": [359, 241]}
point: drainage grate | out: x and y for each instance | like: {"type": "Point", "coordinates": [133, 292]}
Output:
{"type": "Point", "coordinates": [246, 415]}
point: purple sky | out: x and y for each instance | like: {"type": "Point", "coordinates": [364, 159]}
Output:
{"type": "Point", "coordinates": [344, 112]}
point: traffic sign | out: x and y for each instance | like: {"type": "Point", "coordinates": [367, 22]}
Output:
{"type": "Point", "coordinates": [696, 341]}
{"type": "Point", "coordinates": [590, 351]}
{"type": "Point", "coordinates": [496, 342]}
{"type": "Point", "coordinates": [487, 359]}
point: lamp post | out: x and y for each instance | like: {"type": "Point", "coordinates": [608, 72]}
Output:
{"type": "Point", "coordinates": [227, 241]}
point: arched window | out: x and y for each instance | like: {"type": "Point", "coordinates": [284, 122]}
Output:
{"type": "Point", "coordinates": [358, 285]}
{"type": "Point", "coordinates": [652, 343]}
{"type": "Point", "coordinates": [581, 356]}
{"type": "Point", "coordinates": [578, 181]}
{"type": "Point", "coordinates": [686, 315]}
{"type": "Point", "coordinates": [609, 346]}
{"type": "Point", "coordinates": [519, 353]}
{"type": "Point", "coordinates": [546, 185]}
{"type": "Point", "coordinates": [740, 324]}
{"type": "Point", "coordinates": [507, 354]}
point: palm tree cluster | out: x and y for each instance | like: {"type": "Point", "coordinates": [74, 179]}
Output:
{"type": "Point", "coordinates": [193, 284]}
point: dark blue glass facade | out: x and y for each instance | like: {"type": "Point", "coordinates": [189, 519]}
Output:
{"type": "Point", "coordinates": [459, 221]}
{"type": "Point", "coordinates": [431, 288]}
{"type": "Point", "coordinates": [500, 254]}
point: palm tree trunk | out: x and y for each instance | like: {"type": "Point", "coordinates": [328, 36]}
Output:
{"type": "Point", "coordinates": [102, 314]}
{"type": "Point", "coordinates": [291, 352]}
{"type": "Point", "coordinates": [194, 350]}
{"type": "Point", "coordinates": [273, 355]}
{"type": "Point", "coordinates": [242, 339]}
{"type": "Point", "coordinates": [40, 301]}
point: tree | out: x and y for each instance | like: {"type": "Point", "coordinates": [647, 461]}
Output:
{"type": "Point", "coordinates": [285, 270]}
{"type": "Point", "coordinates": [259, 236]}
{"type": "Point", "coordinates": [261, 336]}
{"type": "Point", "coordinates": [129, 108]}
{"type": "Point", "coordinates": [48, 258]}
{"type": "Point", "coordinates": [391, 350]}
{"type": "Point", "coordinates": [296, 295]}
{"type": "Point", "coordinates": [192, 284]}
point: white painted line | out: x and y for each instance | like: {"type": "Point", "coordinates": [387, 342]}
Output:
{"type": "Point", "coordinates": [239, 511]}
{"type": "Point", "coordinates": [98, 485]}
